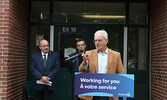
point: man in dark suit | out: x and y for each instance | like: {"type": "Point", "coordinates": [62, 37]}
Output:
{"type": "Point", "coordinates": [74, 63]}
{"type": "Point", "coordinates": [44, 67]}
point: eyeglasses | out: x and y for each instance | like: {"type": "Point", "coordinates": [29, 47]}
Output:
{"type": "Point", "coordinates": [99, 40]}
{"type": "Point", "coordinates": [80, 45]}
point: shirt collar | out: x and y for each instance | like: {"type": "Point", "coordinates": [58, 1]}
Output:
{"type": "Point", "coordinates": [81, 53]}
{"type": "Point", "coordinates": [106, 52]}
{"type": "Point", "coordinates": [44, 54]}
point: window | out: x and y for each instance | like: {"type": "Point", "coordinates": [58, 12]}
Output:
{"type": "Point", "coordinates": [137, 48]}
{"type": "Point", "coordinates": [39, 11]}
{"type": "Point", "coordinates": [138, 13]}
{"type": "Point", "coordinates": [37, 33]}
{"type": "Point", "coordinates": [89, 12]}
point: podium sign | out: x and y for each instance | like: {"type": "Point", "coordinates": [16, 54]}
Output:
{"type": "Point", "coordinates": [110, 85]}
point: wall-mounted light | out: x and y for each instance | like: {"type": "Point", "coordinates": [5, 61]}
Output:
{"type": "Point", "coordinates": [103, 16]}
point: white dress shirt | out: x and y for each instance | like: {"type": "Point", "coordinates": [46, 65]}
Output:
{"type": "Point", "coordinates": [44, 54]}
{"type": "Point", "coordinates": [102, 61]}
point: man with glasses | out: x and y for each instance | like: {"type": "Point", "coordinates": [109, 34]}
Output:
{"type": "Point", "coordinates": [74, 63]}
{"type": "Point", "coordinates": [101, 60]}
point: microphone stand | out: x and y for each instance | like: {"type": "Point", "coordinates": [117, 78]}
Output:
{"type": "Point", "coordinates": [73, 75]}
{"type": "Point", "coordinates": [72, 68]}
{"type": "Point", "coordinates": [72, 57]}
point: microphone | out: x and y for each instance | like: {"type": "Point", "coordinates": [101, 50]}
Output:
{"type": "Point", "coordinates": [72, 57]}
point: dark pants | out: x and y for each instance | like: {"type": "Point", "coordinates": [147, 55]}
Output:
{"type": "Point", "coordinates": [100, 98]}
{"type": "Point", "coordinates": [45, 94]}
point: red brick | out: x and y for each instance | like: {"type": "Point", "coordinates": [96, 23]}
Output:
{"type": "Point", "coordinates": [6, 10]}
{"type": "Point", "coordinates": [6, 46]}
{"type": "Point", "coordinates": [13, 44]}
{"type": "Point", "coordinates": [3, 50]}
{"type": "Point", "coordinates": [6, 17]}
{"type": "Point", "coordinates": [4, 90]}
{"type": "Point", "coordinates": [3, 98]}
{"type": "Point", "coordinates": [4, 75]}
{"type": "Point", "coordinates": [4, 6]}
{"type": "Point", "coordinates": [1, 42]}
{"type": "Point", "coordinates": [1, 17]}
{"type": "Point", "coordinates": [6, 24]}
{"type": "Point", "coordinates": [6, 2]}
{"type": "Point", "coordinates": [3, 86]}
{"type": "Point", "coordinates": [158, 50]}
{"type": "Point", "coordinates": [4, 83]}
{"type": "Point", "coordinates": [3, 71]}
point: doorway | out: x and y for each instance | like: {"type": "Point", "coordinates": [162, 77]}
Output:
{"type": "Point", "coordinates": [64, 44]}
{"type": "Point", "coordinates": [62, 37]}
{"type": "Point", "coordinates": [65, 38]}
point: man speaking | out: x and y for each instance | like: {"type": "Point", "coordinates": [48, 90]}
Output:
{"type": "Point", "coordinates": [101, 60]}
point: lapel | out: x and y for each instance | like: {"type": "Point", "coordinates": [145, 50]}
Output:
{"type": "Point", "coordinates": [109, 60]}
{"type": "Point", "coordinates": [95, 60]}
{"type": "Point", "coordinates": [40, 58]}
{"type": "Point", "coordinates": [48, 59]}
{"type": "Point", "coordinates": [76, 64]}
{"type": "Point", "coordinates": [77, 59]}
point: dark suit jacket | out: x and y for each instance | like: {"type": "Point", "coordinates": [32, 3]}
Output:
{"type": "Point", "coordinates": [37, 69]}
{"type": "Point", "coordinates": [114, 66]}
{"type": "Point", "coordinates": [74, 64]}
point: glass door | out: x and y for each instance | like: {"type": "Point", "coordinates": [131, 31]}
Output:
{"type": "Point", "coordinates": [138, 61]}
{"type": "Point", "coordinates": [65, 44]}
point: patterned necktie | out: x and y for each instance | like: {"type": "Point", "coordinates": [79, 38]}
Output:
{"type": "Point", "coordinates": [44, 61]}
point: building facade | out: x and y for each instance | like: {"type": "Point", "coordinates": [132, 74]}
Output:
{"type": "Point", "coordinates": [137, 29]}
{"type": "Point", "coordinates": [13, 48]}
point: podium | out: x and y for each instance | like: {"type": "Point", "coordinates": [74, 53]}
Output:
{"type": "Point", "coordinates": [108, 85]}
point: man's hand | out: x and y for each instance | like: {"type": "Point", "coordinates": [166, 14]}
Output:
{"type": "Point", "coordinates": [85, 59]}
{"type": "Point", "coordinates": [45, 79]}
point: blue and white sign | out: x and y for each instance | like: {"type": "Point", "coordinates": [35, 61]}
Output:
{"type": "Point", "coordinates": [110, 85]}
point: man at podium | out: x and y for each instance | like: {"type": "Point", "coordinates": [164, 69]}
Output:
{"type": "Point", "coordinates": [101, 60]}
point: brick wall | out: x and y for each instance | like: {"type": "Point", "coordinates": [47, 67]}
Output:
{"type": "Point", "coordinates": [159, 50]}
{"type": "Point", "coordinates": [13, 49]}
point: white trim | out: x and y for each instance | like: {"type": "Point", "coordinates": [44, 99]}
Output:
{"type": "Point", "coordinates": [125, 48]}
{"type": "Point", "coordinates": [51, 37]}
